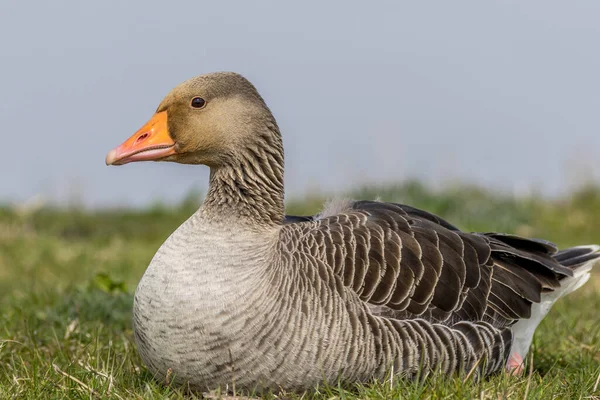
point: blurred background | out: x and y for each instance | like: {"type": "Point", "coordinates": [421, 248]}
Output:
{"type": "Point", "coordinates": [483, 112]}
{"type": "Point", "coordinates": [501, 94]}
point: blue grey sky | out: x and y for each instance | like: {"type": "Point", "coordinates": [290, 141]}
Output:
{"type": "Point", "coordinates": [504, 94]}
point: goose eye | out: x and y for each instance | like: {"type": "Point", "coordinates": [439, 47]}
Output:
{"type": "Point", "coordinates": [198, 102]}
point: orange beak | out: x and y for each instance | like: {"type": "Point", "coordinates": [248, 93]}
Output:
{"type": "Point", "coordinates": [151, 142]}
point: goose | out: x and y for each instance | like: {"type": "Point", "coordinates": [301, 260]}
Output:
{"type": "Point", "coordinates": [241, 294]}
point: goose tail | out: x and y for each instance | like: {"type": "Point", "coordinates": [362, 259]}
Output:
{"type": "Point", "coordinates": [580, 260]}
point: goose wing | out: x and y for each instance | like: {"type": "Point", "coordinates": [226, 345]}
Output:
{"type": "Point", "coordinates": [408, 263]}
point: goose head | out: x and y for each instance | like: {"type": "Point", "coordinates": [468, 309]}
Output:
{"type": "Point", "coordinates": [204, 120]}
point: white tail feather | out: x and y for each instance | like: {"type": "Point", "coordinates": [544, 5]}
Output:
{"type": "Point", "coordinates": [524, 329]}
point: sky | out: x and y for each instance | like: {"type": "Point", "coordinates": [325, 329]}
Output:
{"type": "Point", "coordinates": [503, 94]}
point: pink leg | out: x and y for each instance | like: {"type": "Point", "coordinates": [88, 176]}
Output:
{"type": "Point", "coordinates": [514, 365]}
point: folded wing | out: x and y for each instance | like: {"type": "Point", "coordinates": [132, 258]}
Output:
{"type": "Point", "coordinates": [407, 263]}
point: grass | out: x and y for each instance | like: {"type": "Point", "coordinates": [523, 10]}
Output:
{"type": "Point", "coordinates": [67, 278]}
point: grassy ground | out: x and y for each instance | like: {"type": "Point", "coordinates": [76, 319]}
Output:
{"type": "Point", "coordinates": [67, 278]}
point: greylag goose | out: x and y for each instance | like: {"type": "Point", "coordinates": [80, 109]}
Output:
{"type": "Point", "coordinates": [241, 294]}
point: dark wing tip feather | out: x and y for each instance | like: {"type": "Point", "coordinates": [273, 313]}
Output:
{"type": "Point", "coordinates": [527, 244]}
{"type": "Point", "coordinates": [575, 256]}
{"type": "Point", "coordinates": [527, 250]}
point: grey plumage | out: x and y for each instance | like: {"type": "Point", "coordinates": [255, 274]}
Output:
{"type": "Point", "coordinates": [242, 294]}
